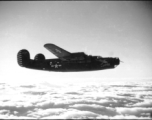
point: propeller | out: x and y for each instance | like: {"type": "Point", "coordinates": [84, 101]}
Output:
{"type": "Point", "coordinates": [122, 61]}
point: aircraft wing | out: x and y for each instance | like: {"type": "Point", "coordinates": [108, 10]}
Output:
{"type": "Point", "coordinates": [59, 52]}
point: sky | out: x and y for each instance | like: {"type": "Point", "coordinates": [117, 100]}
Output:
{"type": "Point", "coordinates": [106, 28]}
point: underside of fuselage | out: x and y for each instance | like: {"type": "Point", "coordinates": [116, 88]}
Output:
{"type": "Point", "coordinates": [58, 65]}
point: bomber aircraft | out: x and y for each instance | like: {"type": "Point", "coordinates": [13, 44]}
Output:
{"type": "Point", "coordinates": [66, 61]}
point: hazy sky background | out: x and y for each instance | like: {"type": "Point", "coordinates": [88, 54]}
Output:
{"type": "Point", "coordinates": [107, 28]}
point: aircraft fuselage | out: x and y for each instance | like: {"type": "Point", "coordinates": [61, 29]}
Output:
{"type": "Point", "coordinates": [59, 65]}
{"type": "Point", "coordinates": [66, 61]}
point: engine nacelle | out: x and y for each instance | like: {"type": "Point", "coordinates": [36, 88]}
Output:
{"type": "Point", "coordinates": [39, 57]}
{"type": "Point", "coordinates": [23, 58]}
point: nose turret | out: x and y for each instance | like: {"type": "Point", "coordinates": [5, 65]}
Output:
{"type": "Point", "coordinates": [117, 61]}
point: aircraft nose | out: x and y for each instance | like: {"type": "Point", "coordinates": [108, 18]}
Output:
{"type": "Point", "coordinates": [117, 61]}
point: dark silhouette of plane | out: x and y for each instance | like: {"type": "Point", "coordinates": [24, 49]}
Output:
{"type": "Point", "coordinates": [66, 61]}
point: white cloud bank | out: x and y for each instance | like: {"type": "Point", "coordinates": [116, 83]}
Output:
{"type": "Point", "coordinates": [83, 101]}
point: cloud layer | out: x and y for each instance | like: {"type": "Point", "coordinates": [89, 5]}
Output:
{"type": "Point", "coordinates": [115, 100]}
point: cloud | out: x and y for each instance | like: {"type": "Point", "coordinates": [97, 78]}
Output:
{"type": "Point", "coordinates": [98, 109]}
{"type": "Point", "coordinates": [27, 86]}
{"type": "Point", "coordinates": [4, 112]}
{"type": "Point", "coordinates": [146, 103]}
{"type": "Point", "coordinates": [90, 101]}
{"type": "Point", "coordinates": [16, 109]}
{"type": "Point", "coordinates": [130, 86]}
{"type": "Point", "coordinates": [74, 114]}
{"type": "Point", "coordinates": [136, 111]}
{"type": "Point", "coordinates": [73, 93]}
{"type": "Point", "coordinates": [39, 113]}
{"type": "Point", "coordinates": [127, 95]}
{"type": "Point", "coordinates": [128, 117]}
{"type": "Point", "coordinates": [35, 93]}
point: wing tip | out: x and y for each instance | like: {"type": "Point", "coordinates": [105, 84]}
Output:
{"type": "Point", "coordinates": [48, 44]}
